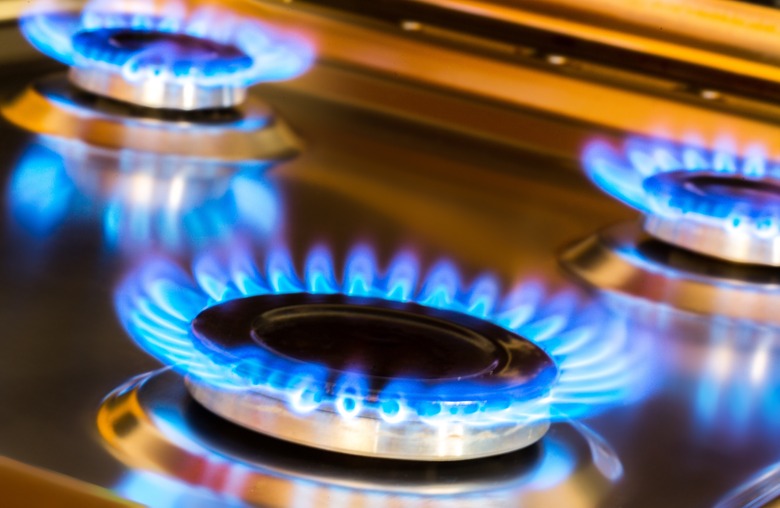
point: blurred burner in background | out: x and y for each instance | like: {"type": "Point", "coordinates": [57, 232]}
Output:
{"type": "Point", "coordinates": [709, 241]}
{"type": "Point", "coordinates": [140, 57]}
{"type": "Point", "coordinates": [184, 71]}
{"type": "Point", "coordinates": [164, 55]}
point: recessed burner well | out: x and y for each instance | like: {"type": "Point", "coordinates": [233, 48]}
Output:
{"type": "Point", "coordinates": [151, 420]}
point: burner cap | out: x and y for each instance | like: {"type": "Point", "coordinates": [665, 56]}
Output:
{"type": "Point", "coordinates": [727, 216]}
{"type": "Point", "coordinates": [158, 52]}
{"type": "Point", "coordinates": [373, 377]}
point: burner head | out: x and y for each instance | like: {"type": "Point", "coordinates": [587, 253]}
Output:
{"type": "Point", "coordinates": [164, 56]}
{"type": "Point", "coordinates": [726, 216]}
{"type": "Point", "coordinates": [380, 361]}
{"type": "Point", "coordinates": [710, 203]}
{"type": "Point", "coordinates": [159, 69]}
{"type": "Point", "coordinates": [372, 377]}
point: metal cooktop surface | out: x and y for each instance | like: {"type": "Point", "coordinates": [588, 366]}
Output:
{"type": "Point", "coordinates": [382, 167]}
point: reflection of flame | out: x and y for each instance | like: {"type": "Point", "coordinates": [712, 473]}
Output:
{"type": "Point", "coordinates": [598, 366]}
{"type": "Point", "coordinates": [142, 200]}
{"type": "Point", "coordinates": [625, 174]}
{"type": "Point", "coordinates": [735, 384]}
{"type": "Point", "coordinates": [227, 481]}
{"type": "Point", "coordinates": [51, 25]}
{"type": "Point", "coordinates": [720, 367]}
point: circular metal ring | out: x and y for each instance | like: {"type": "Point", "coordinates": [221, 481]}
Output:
{"type": "Point", "coordinates": [152, 423]}
{"type": "Point", "coordinates": [373, 377]}
{"type": "Point", "coordinates": [53, 107]}
{"type": "Point", "coordinates": [155, 93]}
{"type": "Point", "coordinates": [624, 261]}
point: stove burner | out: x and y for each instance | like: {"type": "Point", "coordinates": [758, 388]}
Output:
{"type": "Point", "coordinates": [377, 362]}
{"type": "Point", "coordinates": [345, 333]}
{"type": "Point", "coordinates": [713, 204]}
{"type": "Point", "coordinates": [164, 56]}
{"type": "Point", "coordinates": [254, 351]}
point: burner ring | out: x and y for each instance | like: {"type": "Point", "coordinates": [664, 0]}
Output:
{"type": "Point", "coordinates": [151, 421]}
{"type": "Point", "coordinates": [655, 271]}
{"type": "Point", "coordinates": [723, 215]}
{"type": "Point", "coordinates": [447, 401]}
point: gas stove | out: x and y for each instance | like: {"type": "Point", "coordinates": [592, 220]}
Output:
{"type": "Point", "coordinates": [335, 254]}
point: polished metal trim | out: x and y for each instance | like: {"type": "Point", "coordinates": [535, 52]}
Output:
{"type": "Point", "coordinates": [207, 452]}
{"type": "Point", "coordinates": [712, 239]}
{"type": "Point", "coordinates": [727, 36]}
{"type": "Point", "coordinates": [51, 107]}
{"type": "Point", "coordinates": [617, 261]}
{"type": "Point", "coordinates": [725, 216]}
{"type": "Point", "coordinates": [365, 435]}
{"type": "Point", "coordinates": [156, 93]}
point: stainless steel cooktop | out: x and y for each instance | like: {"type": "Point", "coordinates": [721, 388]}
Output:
{"type": "Point", "coordinates": [374, 157]}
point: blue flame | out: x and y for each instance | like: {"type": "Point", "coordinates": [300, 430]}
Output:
{"type": "Point", "coordinates": [634, 175]}
{"type": "Point", "coordinates": [39, 192]}
{"type": "Point", "coordinates": [82, 39]}
{"type": "Point", "coordinates": [149, 204]}
{"type": "Point", "coordinates": [597, 365]}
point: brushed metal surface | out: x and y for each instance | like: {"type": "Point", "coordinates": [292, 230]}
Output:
{"type": "Point", "coordinates": [392, 179]}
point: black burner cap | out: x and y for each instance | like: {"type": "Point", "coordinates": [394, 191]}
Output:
{"type": "Point", "coordinates": [442, 352]}
{"type": "Point", "coordinates": [183, 54]}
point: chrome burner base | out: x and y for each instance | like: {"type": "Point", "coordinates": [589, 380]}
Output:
{"type": "Point", "coordinates": [149, 93]}
{"type": "Point", "coordinates": [366, 436]}
{"type": "Point", "coordinates": [54, 107]}
{"type": "Point", "coordinates": [153, 424]}
{"type": "Point", "coordinates": [623, 259]}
